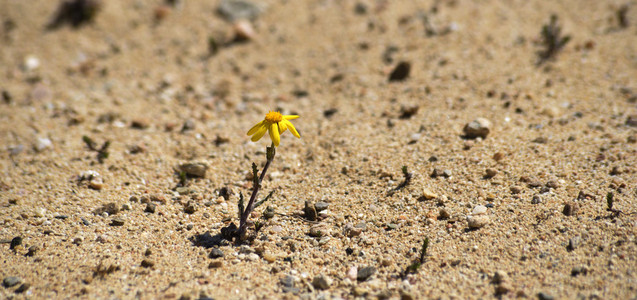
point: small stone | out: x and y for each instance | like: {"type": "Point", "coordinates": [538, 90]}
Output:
{"type": "Point", "coordinates": [42, 144]}
{"type": "Point", "coordinates": [536, 199]}
{"type": "Point", "coordinates": [15, 242]}
{"type": "Point", "coordinates": [552, 184]}
{"type": "Point", "coordinates": [147, 263]}
{"type": "Point", "coordinates": [479, 221]}
{"type": "Point", "coordinates": [140, 123]}
{"type": "Point", "coordinates": [126, 206]}
{"type": "Point", "coordinates": [22, 288]}
{"type": "Point", "coordinates": [318, 231]}
{"type": "Point", "coordinates": [498, 156]}
{"type": "Point", "coordinates": [215, 253]}
{"type": "Point", "coordinates": [190, 208]}
{"type": "Point", "coordinates": [616, 171]}
{"type": "Point", "coordinates": [117, 222]}
{"type": "Point", "coordinates": [544, 296]}
{"type": "Point", "coordinates": [244, 31]}
{"type": "Point", "coordinates": [352, 273]}
{"type": "Point", "coordinates": [579, 270]}
{"type": "Point", "coordinates": [570, 209]}
{"type": "Point", "coordinates": [310, 211]}
{"type": "Point", "coordinates": [33, 250]}
{"type": "Point", "coordinates": [573, 243]}
{"type": "Point", "coordinates": [479, 127]}
{"type": "Point", "coordinates": [322, 282]}
{"type": "Point", "coordinates": [96, 183]}
{"type": "Point", "coordinates": [215, 264]}
{"type": "Point", "coordinates": [516, 189]}
{"type": "Point", "coordinates": [269, 257]}
{"type": "Point", "coordinates": [479, 210]}
{"type": "Point", "coordinates": [150, 208]}
{"type": "Point", "coordinates": [287, 281]}
{"type": "Point", "coordinates": [502, 289]}
{"type": "Point", "coordinates": [320, 206]}
{"type": "Point", "coordinates": [31, 63]}
{"type": "Point", "coordinates": [196, 169]}
{"type": "Point", "coordinates": [443, 214]}
{"type": "Point", "coordinates": [11, 281]}
{"type": "Point", "coordinates": [632, 121]}
{"type": "Point", "coordinates": [406, 295]}
{"type": "Point", "coordinates": [551, 111]}
{"type": "Point", "coordinates": [490, 173]}
{"type": "Point", "coordinates": [359, 291]}
{"type": "Point", "coordinates": [400, 72]}
{"type": "Point", "coordinates": [499, 277]}
{"type": "Point", "coordinates": [540, 140]}
{"type": "Point", "coordinates": [252, 257]}
{"type": "Point", "coordinates": [427, 194]}
{"type": "Point", "coordinates": [365, 273]}
{"type": "Point", "coordinates": [233, 10]}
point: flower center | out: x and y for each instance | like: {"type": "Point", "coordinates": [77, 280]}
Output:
{"type": "Point", "coordinates": [274, 117]}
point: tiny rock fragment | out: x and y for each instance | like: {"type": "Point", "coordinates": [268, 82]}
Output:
{"type": "Point", "coordinates": [490, 173]}
{"type": "Point", "coordinates": [322, 282]}
{"type": "Point", "coordinates": [570, 209]}
{"type": "Point", "coordinates": [244, 31]}
{"type": "Point", "coordinates": [427, 194]}
{"type": "Point", "coordinates": [318, 231]}
{"type": "Point", "coordinates": [478, 128]}
{"type": "Point", "coordinates": [140, 123]}
{"type": "Point", "coordinates": [310, 211]}
{"type": "Point", "coordinates": [233, 10]}
{"type": "Point", "coordinates": [516, 189]}
{"type": "Point", "coordinates": [96, 183]}
{"type": "Point", "coordinates": [109, 208]}
{"type": "Point", "coordinates": [479, 221]}
{"type": "Point", "coordinates": [147, 263]}
{"type": "Point", "coordinates": [320, 206]}
{"type": "Point", "coordinates": [215, 253]}
{"type": "Point", "coordinates": [479, 210]}
{"type": "Point", "coordinates": [632, 121]}
{"type": "Point", "coordinates": [400, 72]}
{"type": "Point", "coordinates": [42, 144]}
{"type": "Point", "coordinates": [365, 273]}
{"type": "Point", "coordinates": [117, 222]}
{"type": "Point", "coordinates": [11, 281]}
{"type": "Point", "coordinates": [443, 214]}
{"type": "Point", "coordinates": [499, 277]}
{"type": "Point", "coordinates": [196, 169]}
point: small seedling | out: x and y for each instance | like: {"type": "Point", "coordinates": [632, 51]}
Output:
{"type": "Point", "coordinates": [102, 152]}
{"type": "Point", "coordinates": [552, 41]}
{"type": "Point", "coordinates": [609, 205]}
{"type": "Point", "coordinates": [403, 184]}
{"type": "Point", "coordinates": [416, 264]}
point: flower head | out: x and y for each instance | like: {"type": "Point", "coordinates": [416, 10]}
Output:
{"type": "Point", "coordinates": [275, 123]}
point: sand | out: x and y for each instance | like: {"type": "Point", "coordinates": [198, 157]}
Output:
{"type": "Point", "coordinates": [520, 211]}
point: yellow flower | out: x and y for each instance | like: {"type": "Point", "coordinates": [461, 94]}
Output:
{"type": "Point", "coordinates": [275, 123]}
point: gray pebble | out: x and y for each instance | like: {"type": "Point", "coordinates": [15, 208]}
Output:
{"type": "Point", "coordinates": [536, 199]}
{"type": "Point", "coordinates": [117, 222]}
{"type": "Point", "coordinates": [233, 10]}
{"type": "Point", "coordinates": [573, 243]}
{"type": "Point", "coordinates": [11, 281]}
{"type": "Point", "coordinates": [322, 282]}
{"type": "Point", "coordinates": [196, 169]}
{"type": "Point", "coordinates": [320, 206]}
{"type": "Point", "coordinates": [288, 281]}
{"type": "Point", "coordinates": [216, 253]}
{"type": "Point", "coordinates": [479, 127]}
{"type": "Point", "coordinates": [365, 273]}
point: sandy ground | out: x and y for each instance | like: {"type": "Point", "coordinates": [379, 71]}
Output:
{"type": "Point", "coordinates": [145, 76]}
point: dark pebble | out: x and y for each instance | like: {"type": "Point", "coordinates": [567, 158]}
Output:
{"type": "Point", "coordinates": [544, 296]}
{"type": "Point", "coordinates": [62, 217]}
{"type": "Point", "coordinates": [310, 211]}
{"type": "Point", "coordinates": [579, 270]}
{"type": "Point", "coordinates": [320, 206]}
{"type": "Point", "coordinates": [365, 273]}
{"type": "Point", "coordinates": [151, 208]}
{"type": "Point", "coordinates": [570, 209]}
{"type": "Point", "coordinates": [147, 263]}
{"type": "Point", "coordinates": [85, 222]}
{"type": "Point", "coordinates": [22, 288]}
{"type": "Point", "coordinates": [400, 72]}
{"type": "Point", "coordinates": [15, 242]}
{"type": "Point", "coordinates": [117, 222]}
{"type": "Point", "coordinates": [490, 205]}
{"type": "Point", "coordinates": [190, 208]}
{"type": "Point", "coordinates": [11, 281]}
{"type": "Point", "coordinates": [216, 253]}
{"type": "Point", "coordinates": [32, 250]}
{"type": "Point", "coordinates": [536, 199]}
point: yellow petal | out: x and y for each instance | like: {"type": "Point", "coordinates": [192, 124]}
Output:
{"type": "Point", "coordinates": [292, 128]}
{"type": "Point", "coordinates": [290, 117]}
{"type": "Point", "coordinates": [255, 128]}
{"type": "Point", "coordinates": [274, 134]}
{"type": "Point", "coordinates": [282, 126]}
{"type": "Point", "coordinates": [259, 133]}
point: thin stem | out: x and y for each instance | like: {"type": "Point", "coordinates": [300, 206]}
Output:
{"type": "Point", "coordinates": [255, 190]}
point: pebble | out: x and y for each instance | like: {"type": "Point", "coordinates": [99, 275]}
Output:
{"type": "Point", "coordinates": [320, 206]}
{"type": "Point", "coordinates": [269, 257]}
{"type": "Point", "coordinates": [151, 208]}
{"type": "Point", "coordinates": [109, 208]}
{"type": "Point", "coordinates": [140, 123]}
{"type": "Point", "coordinates": [479, 127]}
{"type": "Point", "coordinates": [233, 10]}
{"type": "Point", "coordinates": [215, 253]}
{"type": "Point", "coordinates": [499, 277]}
{"type": "Point", "coordinates": [573, 243]}
{"type": "Point", "coordinates": [479, 221]}
{"type": "Point", "coordinates": [318, 231]}
{"type": "Point", "coordinates": [147, 263]}
{"type": "Point", "coordinates": [516, 189]}
{"type": "Point", "coordinates": [632, 120]}
{"type": "Point", "coordinates": [544, 296]}
{"type": "Point", "coordinates": [400, 72]}
{"type": "Point", "coordinates": [427, 194]}
{"type": "Point", "coordinates": [288, 281]}
{"type": "Point", "coordinates": [252, 257]}
{"type": "Point", "coordinates": [32, 250]}
{"type": "Point", "coordinates": [11, 281]}
{"type": "Point", "coordinates": [352, 273]}
{"type": "Point", "coordinates": [96, 183]}
{"type": "Point", "coordinates": [196, 169]}
{"type": "Point", "coordinates": [352, 231]}
{"type": "Point", "coordinates": [15, 242]}
{"type": "Point", "coordinates": [441, 173]}
{"type": "Point", "coordinates": [117, 222]}
{"type": "Point", "coordinates": [22, 288]}
{"type": "Point", "coordinates": [31, 63]}
{"type": "Point", "coordinates": [244, 31]}
{"type": "Point", "coordinates": [443, 214]}
{"type": "Point", "coordinates": [190, 208]}
{"type": "Point", "coordinates": [479, 210]}
{"type": "Point", "coordinates": [536, 199]}
{"type": "Point", "coordinates": [42, 144]}
{"type": "Point", "coordinates": [365, 273]}
{"type": "Point", "coordinates": [579, 270]}
{"type": "Point", "coordinates": [310, 211]}
{"type": "Point", "coordinates": [322, 282]}
{"type": "Point", "coordinates": [490, 173]}
{"type": "Point", "coordinates": [126, 206]}
{"type": "Point", "coordinates": [570, 209]}
{"type": "Point", "coordinates": [215, 264]}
